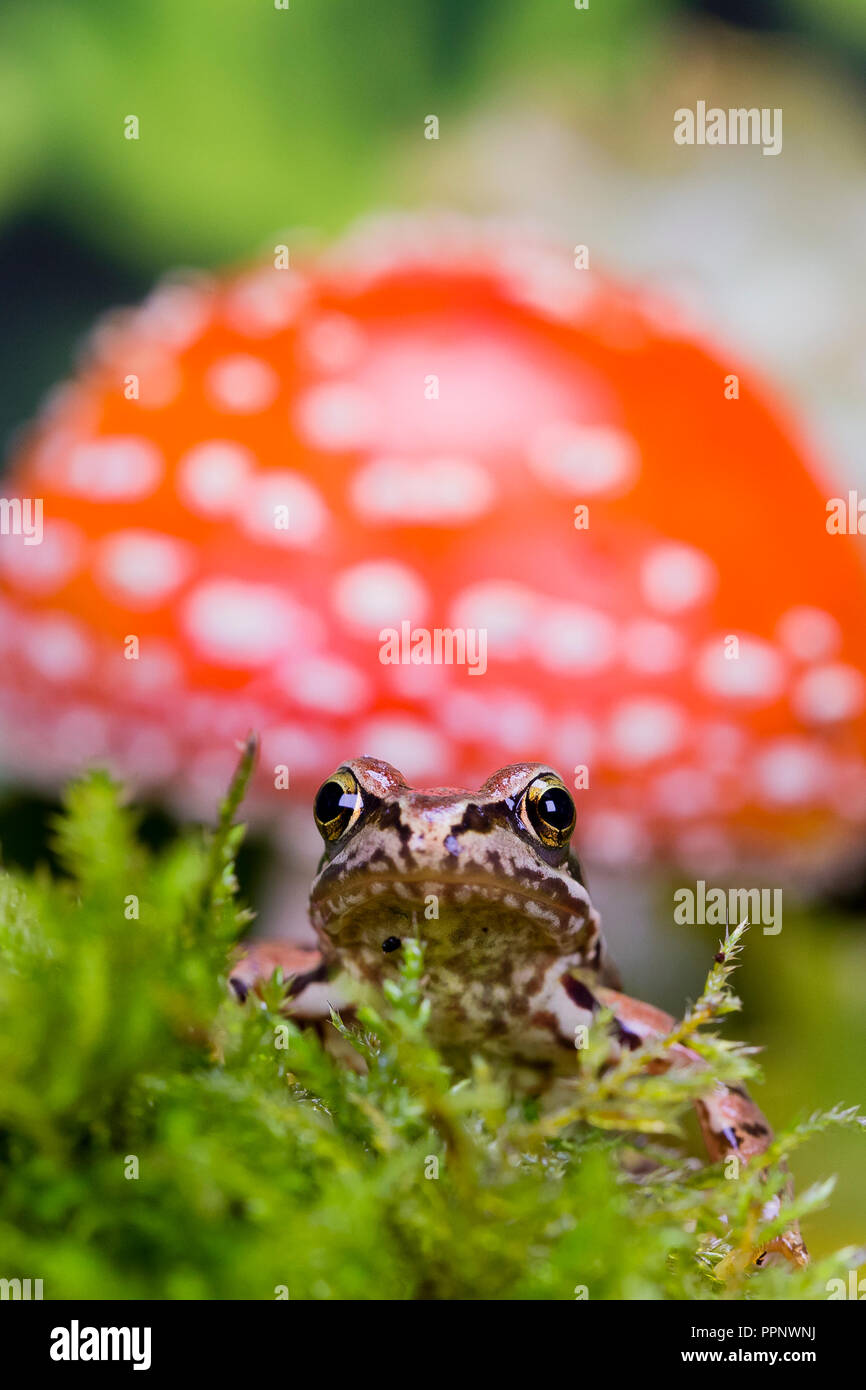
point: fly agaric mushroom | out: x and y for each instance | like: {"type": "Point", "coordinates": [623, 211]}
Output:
{"type": "Point", "coordinates": [253, 480]}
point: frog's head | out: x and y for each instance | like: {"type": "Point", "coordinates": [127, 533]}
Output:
{"type": "Point", "coordinates": [485, 879]}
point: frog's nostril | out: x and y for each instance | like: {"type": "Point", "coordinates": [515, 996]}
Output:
{"type": "Point", "coordinates": [391, 943]}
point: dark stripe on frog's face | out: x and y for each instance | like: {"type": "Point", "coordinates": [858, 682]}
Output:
{"type": "Point", "coordinates": [466, 872]}
{"type": "Point", "coordinates": [479, 818]}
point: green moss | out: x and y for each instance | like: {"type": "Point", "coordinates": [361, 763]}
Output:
{"type": "Point", "coordinates": [157, 1140]}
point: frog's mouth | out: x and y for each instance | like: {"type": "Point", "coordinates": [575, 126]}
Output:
{"type": "Point", "coordinates": [453, 912]}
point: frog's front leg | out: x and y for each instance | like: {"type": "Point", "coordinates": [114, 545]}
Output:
{"type": "Point", "coordinates": [305, 974]}
{"type": "Point", "coordinates": [730, 1121]}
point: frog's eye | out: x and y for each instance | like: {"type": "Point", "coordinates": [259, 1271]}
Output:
{"type": "Point", "coordinates": [338, 804]}
{"type": "Point", "coordinates": [548, 811]}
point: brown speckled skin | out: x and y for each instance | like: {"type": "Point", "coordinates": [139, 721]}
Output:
{"type": "Point", "coordinates": [514, 960]}
{"type": "Point", "coordinates": [512, 914]}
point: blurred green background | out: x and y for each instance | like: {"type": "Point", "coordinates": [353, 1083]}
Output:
{"type": "Point", "coordinates": [256, 120]}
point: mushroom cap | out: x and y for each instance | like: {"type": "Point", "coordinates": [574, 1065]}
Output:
{"type": "Point", "coordinates": [427, 406]}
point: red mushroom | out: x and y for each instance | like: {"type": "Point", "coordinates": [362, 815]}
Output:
{"type": "Point", "coordinates": [462, 431]}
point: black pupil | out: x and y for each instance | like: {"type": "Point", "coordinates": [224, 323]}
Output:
{"type": "Point", "coordinates": [333, 800]}
{"type": "Point", "coordinates": [556, 808]}
{"type": "Point", "coordinates": [391, 943]}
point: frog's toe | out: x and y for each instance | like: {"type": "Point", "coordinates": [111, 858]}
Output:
{"type": "Point", "coordinates": [259, 961]}
{"type": "Point", "coordinates": [786, 1251]}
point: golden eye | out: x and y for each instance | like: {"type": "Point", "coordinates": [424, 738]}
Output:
{"type": "Point", "coordinates": [548, 811]}
{"type": "Point", "coordinates": [338, 804]}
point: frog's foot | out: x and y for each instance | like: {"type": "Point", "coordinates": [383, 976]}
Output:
{"type": "Point", "coordinates": [730, 1121]}
{"type": "Point", "coordinates": [784, 1251]}
{"type": "Point", "coordinates": [304, 973]}
{"type": "Point", "coordinates": [787, 1249]}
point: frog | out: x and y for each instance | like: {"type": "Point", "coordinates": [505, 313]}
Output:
{"type": "Point", "coordinates": [516, 965]}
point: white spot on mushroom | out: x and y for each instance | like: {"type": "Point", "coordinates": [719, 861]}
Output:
{"type": "Point", "coordinates": [534, 277]}
{"type": "Point", "coordinates": [265, 301]}
{"type": "Point", "coordinates": [721, 744]}
{"type": "Point", "coordinates": [114, 468]}
{"type": "Point", "coordinates": [149, 754]}
{"type": "Point", "coordinates": [675, 577]}
{"type": "Point", "coordinates": [828, 694]}
{"type": "Point", "coordinates": [214, 718]}
{"type": "Point", "coordinates": [645, 729]}
{"type": "Point", "coordinates": [790, 772]}
{"type": "Point", "coordinates": [418, 685]}
{"type": "Point", "coordinates": [280, 489]}
{"type": "Point", "coordinates": [571, 637]}
{"type": "Point", "coordinates": [157, 670]}
{"type": "Point", "coordinates": [809, 634]}
{"type": "Point", "coordinates": [474, 413]}
{"type": "Point", "coordinates": [575, 741]}
{"type": "Point", "coordinates": [212, 477]}
{"type": "Point", "coordinates": [302, 749]}
{"type": "Point", "coordinates": [378, 594]}
{"type": "Point", "coordinates": [335, 416]}
{"type": "Point", "coordinates": [80, 735]}
{"type": "Point", "coordinates": [57, 647]}
{"type": "Point", "coordinates": [654, 648]}
{"type": "Point", "coordinates": [584, 460]}
{"type": "Point", "coordinates": [234, 623]}
{"type": "Point", "coordinates": [241, 384]}
{"type": "Point", "coordinates": [332, 342]}
{"type": "Point", "coordinates": [755, 675]}
{"type": "Point", "coordinates": [415, 748]}
{"type": "Point", "coordinates": [432, 491]}
{"type": "Point", "coordinates": [504, 718]}
{"type": "Point", "coordinates": [40, 569]}
{"type": "Point", "coordinates": [614, 837]}
{"type": "Point", "coordinates": [705, 849]}
{"type": "Point", "coordinates": [140, 568]}
{"type": "Point", "coordinates": [325, 683]}
{"type": "Point", "coordinates": [208, 773]}
{"type": "Point", "coordinates": [684, 793]}
{"type": "Point", "coordinates": [507, 611]}
{"type": "Point", "coordinates": [175, 313]}
{"type": "Point", "coordinates": [516, 722]}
